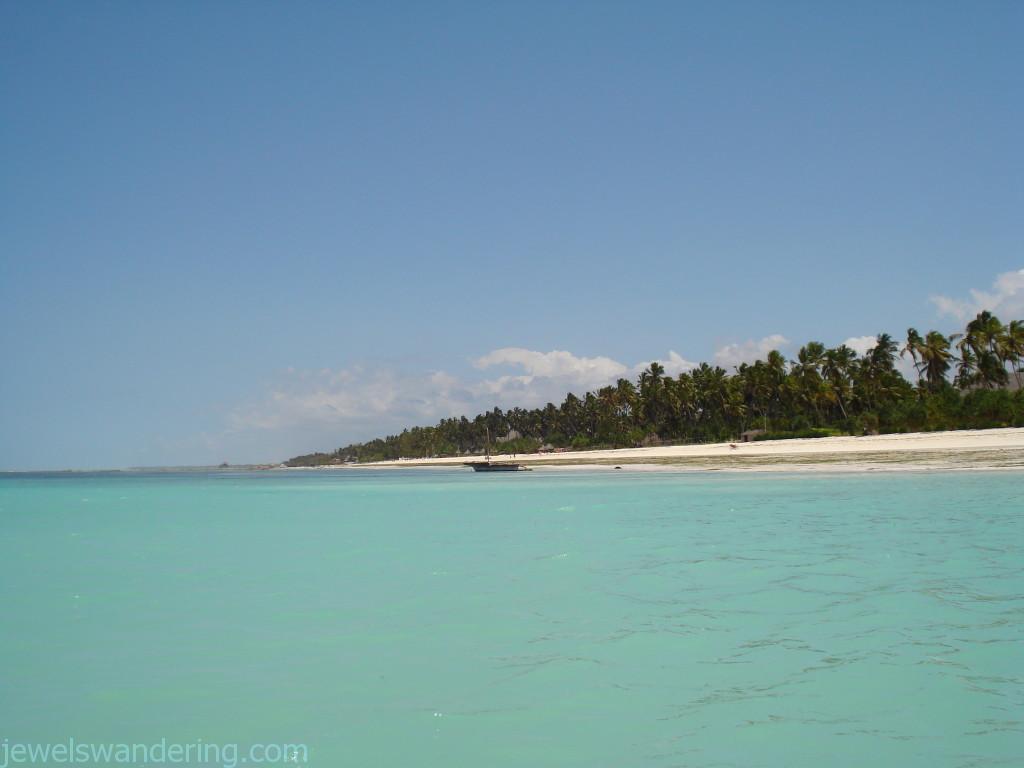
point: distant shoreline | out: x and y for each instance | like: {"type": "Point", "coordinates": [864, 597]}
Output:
{"type": "Point", "coordinates": [976, 449]}
{"type": "Point", "coordinates": [936, 451]}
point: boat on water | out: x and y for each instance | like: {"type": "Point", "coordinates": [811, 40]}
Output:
{"type": "Point", "coordinates": [495, 466]}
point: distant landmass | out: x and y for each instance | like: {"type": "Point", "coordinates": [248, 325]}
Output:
{"type": "Point", "coordinates": [969, 380]}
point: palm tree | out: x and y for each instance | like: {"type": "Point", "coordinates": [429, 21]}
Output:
{"type": "Point", "coordinates": [876, 380]}
{"type": "Point", "coordinates": [710, 384]}
{"type": "Point", "coordinates": [687, 405]}
{"type": "Point", "coordinates": [984, 331]}
{"type": "Point", "coordinates": [883, 355]}
{"type": "Point", "coordinates": [992, 370]}
{"type": "Point", "coordinates": [967, 366]}
{"type": "Point", "coordinates": [733, 406]}
{"type": "Point", "coordinates": [775, 373]}
{"type": "Point", "coordinates": [806, 372]}
{"type": "Point", "coordinates": [588, 415]}
{"type": "Point", "coordinates": [626, 398]}
{"type": "Point", "coordinates": [983, 338]}
{"type": "Point", "coordinates": [571, 421]}
{"type": "Point", "coordinates": [1013, 347]}
{"type": "Point", "coordinates": [652, 375]}
{"type": "Point", "coordinates": [652, 399]}
{"type": "Point", "coordinates": [836, 370]}
{"type": "Point", "coordinates": [913, 347]}
{"type": "Point", "coordinates": [753, 384]}
{"type": "Point", "coordinates": [936, 360]}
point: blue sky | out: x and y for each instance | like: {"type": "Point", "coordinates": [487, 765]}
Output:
{"type": "Point", "coordinates": [239, 231]}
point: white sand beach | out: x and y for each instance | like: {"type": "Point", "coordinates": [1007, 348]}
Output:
{"type": "Point", "coordinates": [964, 449]}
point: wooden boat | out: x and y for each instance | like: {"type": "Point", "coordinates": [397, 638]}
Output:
{"type": "Point", "coordinates": [494, 466]}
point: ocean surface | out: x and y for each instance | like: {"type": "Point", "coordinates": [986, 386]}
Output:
{"type": "Point", "coordinates": [440, 618]}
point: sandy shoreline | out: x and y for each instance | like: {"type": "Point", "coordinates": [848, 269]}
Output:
{"type": "Point", "coordinates": [934, 451]}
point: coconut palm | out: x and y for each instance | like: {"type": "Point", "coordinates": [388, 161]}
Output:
{"type": "Point", "coordinates": [626, 400]}
{"type": "Point", "coordinates": [806, 375]}
{"type": "Point", "coordinates": [876, 381]}
{"type": "Point", "coordinates": [967, 367]}
{"type": "Point", "coordinates": [883, 354]}
{"type": "Point", "coordinates": [687, 406]}
{"type": "Point", "coordinates": [1013, 347]}
{"type": "Point", "coordinates": [913, 348]}
{"type": "Point", "coordinates": [936, 360]}
{"type": "Point", "coordinates": [652, 395]}
{"type": "Point", "coordinates": [983, 337]}
{"type": "Point", "coordinates": [836, 370]}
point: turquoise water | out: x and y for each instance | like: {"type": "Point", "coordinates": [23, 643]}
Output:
{"type": "Point", "coordinates": [441, 618]}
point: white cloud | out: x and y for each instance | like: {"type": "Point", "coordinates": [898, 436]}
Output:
{"type": "Point", "coordinates": [673, 365]}
{"type": "Point", "coordinates": [354, 397]}
{"type": "Point", "coordinates": [362, 401]}
{"type": "Point", "coordinates": [1006, 299]}
{"type": "Point", "coordinates": [732, 355]}
{"type": "Point", "coordinates": [555, 364]}
{"type": "Point", "coordinates": [862, 344]}
{"type": "Point", "coordinates": [546, 377]}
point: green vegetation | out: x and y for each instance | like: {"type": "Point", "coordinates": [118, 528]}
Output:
{"type": "Point", "coordinates": [965, 381]}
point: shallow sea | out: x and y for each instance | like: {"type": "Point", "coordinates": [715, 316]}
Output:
{"type": "Point", "coordinates": [438, 618]}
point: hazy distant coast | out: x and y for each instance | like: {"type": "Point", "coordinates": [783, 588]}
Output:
{"type": "Point", "coordinates": [964, 381]}
{"type": "Point", "coordinates": [963, 449]}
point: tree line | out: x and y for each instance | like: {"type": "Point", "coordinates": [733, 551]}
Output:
{"type": "Point", "coordinates": [969, 380]}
